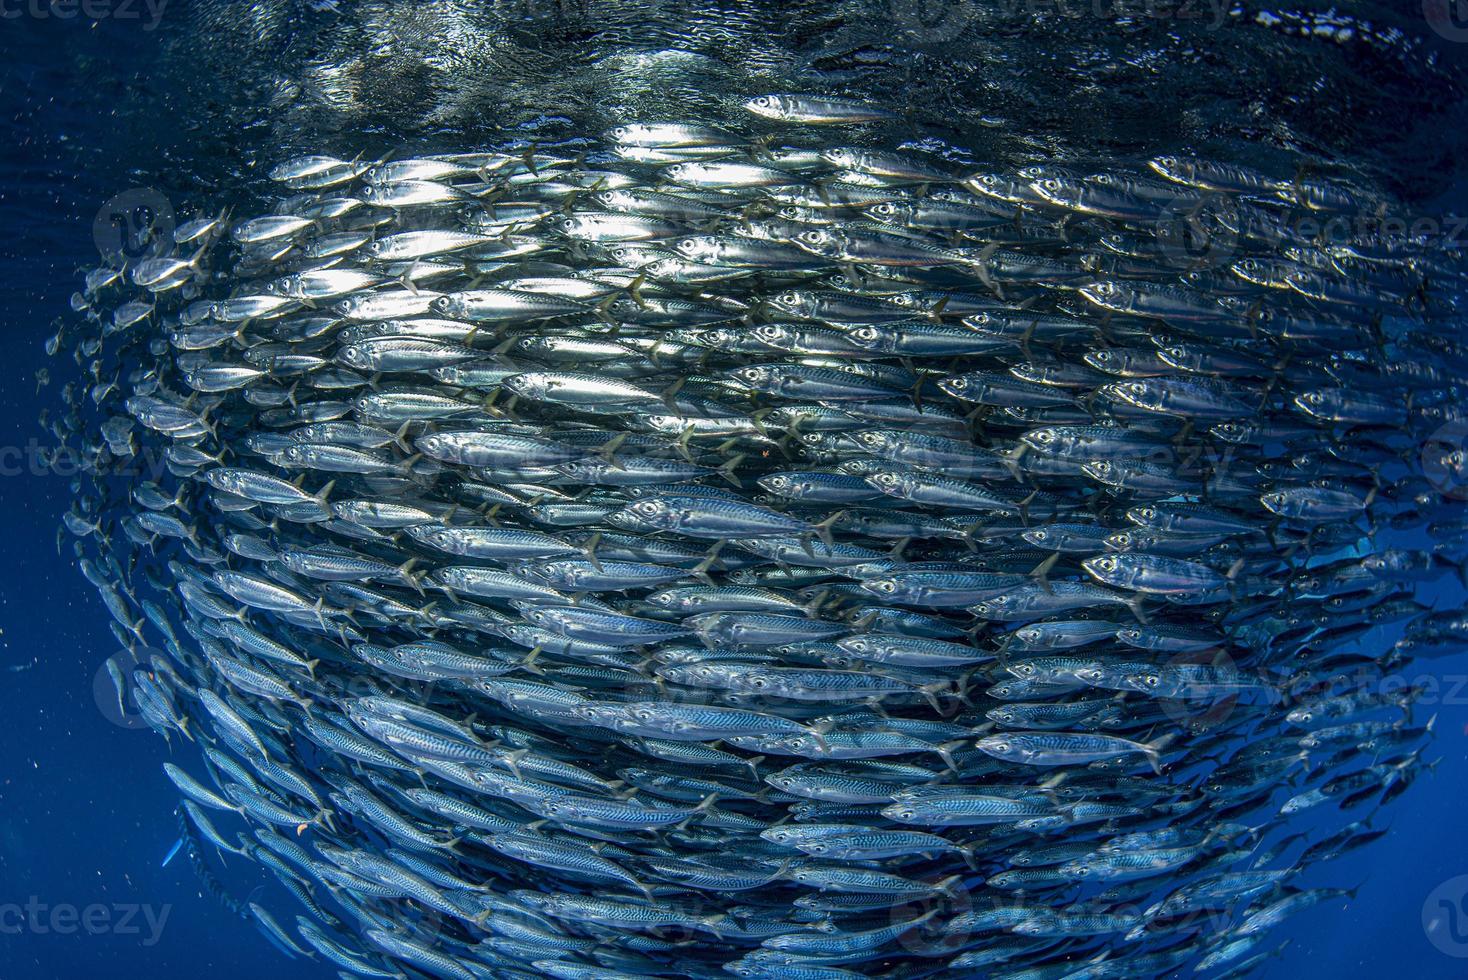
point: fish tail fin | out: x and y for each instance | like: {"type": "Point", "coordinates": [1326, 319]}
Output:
{"type": "Point", "coordinates": [590, 549]}
{"type": "Point", "coordinates": [945, 752]}
{"type": "Point", "coordinates": [1041, 573]}
{"type": "Point", "coordinates": [1153, 750]}
{"type": "Point", "coordinates": [823, 529]}
{"type": "Point", "coordinates": [1137, 605]}
{"type": "Point", "coordinates": [609, 448]}
{"type": "Point", "coordinates": [322, 499]}
{"type": "Point", "coordinates": [728, 470]}
{"type": "Point", "coordinates": [812, 609]}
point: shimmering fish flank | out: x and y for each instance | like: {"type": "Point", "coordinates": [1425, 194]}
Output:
{"type": "Point", "coordinates": [746, 550]}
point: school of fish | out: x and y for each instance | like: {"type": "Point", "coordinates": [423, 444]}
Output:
{"type": "Point", "coordinates": [702, 551]}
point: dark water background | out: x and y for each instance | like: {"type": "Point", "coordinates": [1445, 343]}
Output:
{"type": "Point", "coordinates": [196, 104]}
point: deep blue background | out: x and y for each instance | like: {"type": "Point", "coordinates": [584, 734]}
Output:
{"type": "Point", "coordinates": [85, 811]}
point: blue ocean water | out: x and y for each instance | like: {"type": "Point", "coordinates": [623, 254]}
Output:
{"type": "Point", "coordinates": [91, 108]}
